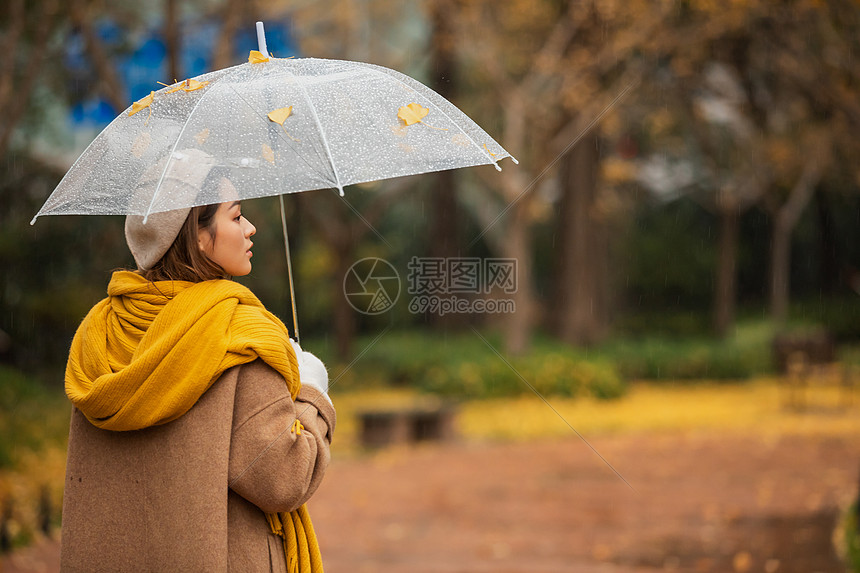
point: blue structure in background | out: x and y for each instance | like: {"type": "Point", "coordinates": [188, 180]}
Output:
{"type": "Point", "coordinates": [144, 63]}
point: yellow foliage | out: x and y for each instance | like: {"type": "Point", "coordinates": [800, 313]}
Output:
{"type": "Point", "coordinates": [268, 154]}
{"type": "Point", "coordinates": [256, 57]}
{"type": "Point", "coordinates": [412, 113]}
{"type": "Point", "coordinates": [752, 407]}
{"type": "Point", "coordinates": [142, 103]}
{"type": "Point", "coordinates": [615, 170]}
{"type": "Point", "coordinates": [280, 115]}
{"type": "Point", "coordinates": [187, 86]}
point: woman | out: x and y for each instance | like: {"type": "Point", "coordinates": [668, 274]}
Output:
{"type": "Point", "coordinates": [199, 429]}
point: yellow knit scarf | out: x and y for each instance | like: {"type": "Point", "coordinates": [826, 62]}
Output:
{"type": "Point", "coordinates": [144, 356]}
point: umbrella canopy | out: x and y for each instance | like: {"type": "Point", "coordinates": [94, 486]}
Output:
{"type": "Point", "coordinates": [276, 126]}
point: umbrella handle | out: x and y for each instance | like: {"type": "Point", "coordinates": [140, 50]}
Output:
{"type": "Point", "coordinates": [261, 40]}
{"type": "Point", "coordinates": [289, 268]}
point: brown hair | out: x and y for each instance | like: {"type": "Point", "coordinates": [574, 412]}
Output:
{"type": "Point", "coordinates": [184, 261]}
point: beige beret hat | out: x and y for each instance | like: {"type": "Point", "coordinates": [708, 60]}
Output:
{"type": "Point", "coordinates": [182, 184]}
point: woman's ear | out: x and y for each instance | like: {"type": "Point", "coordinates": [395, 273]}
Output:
{"type": "Point", "coordinates": [203, 239]}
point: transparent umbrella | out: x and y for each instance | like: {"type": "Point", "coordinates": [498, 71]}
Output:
{"type": "Point", "coordinates": [275, 126]}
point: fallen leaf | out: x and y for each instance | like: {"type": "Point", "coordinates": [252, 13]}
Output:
{"type": "Point", "coordinates": [487, 149]}
{"type": "Point", "coordinates": [601, 552]}
{"type": "Point", "coordinates": [202, 136]}
{"type": "Point", "coordinates": [742, 562]}
{"type": "Point", "coordinates": [141, 143]}
{"type": "Point", "coordinates": [268, 154]}
{"type": "Point", "coordinates": [256, 57]}
{"type": "Point", "coordinates": [142, 103]}
{"type": "Point", "coordinates": [281, 115]}
{"type": "Point", "coordinates": [412, 113]}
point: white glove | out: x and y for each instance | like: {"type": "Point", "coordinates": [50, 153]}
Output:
{"type": "Point", "coordinates": [312, 371]}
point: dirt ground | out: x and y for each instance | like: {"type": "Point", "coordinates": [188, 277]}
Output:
{"type": "Point", "coordinates": [701, 503]}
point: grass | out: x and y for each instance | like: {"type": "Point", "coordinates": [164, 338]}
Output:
{"type": "Point", "coordinates": [34, 426]}
{"type": "Point", "coordinates": [757, 407]}
{"type": "Point", "coordinates": [37, 450]}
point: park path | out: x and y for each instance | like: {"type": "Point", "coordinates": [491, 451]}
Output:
{"type": "Point", "coordinates": [702, 502]}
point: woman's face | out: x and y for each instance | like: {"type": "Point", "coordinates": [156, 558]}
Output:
{"type": "Point", "coordinates": [230, 244]}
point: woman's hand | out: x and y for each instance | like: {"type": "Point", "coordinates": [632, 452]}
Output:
{"type": "Point", "coordinates": [312, 371]}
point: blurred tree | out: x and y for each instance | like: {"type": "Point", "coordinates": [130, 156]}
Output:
{"type": "Point", "coordinates": [571, 65]}
{"type": "Point", "coordinates": [741, 88]}
{"type": "Point", "coordinates": [83, 16]}
{"type": "Point", "coordinates": [445, 227]}
{"type": "Point", "coordinates": [26, 28]}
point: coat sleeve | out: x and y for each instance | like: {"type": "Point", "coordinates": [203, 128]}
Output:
{"type": "Point", "coordinates": [274, 463]}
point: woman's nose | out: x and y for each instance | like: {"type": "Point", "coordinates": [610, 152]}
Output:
{"type": "Point", "coordinates": [251, 230]}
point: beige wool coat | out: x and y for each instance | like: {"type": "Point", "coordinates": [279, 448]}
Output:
{"type": "Point", "coordinates": [190, 495]}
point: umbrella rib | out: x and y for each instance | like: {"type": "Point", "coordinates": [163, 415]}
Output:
{"type": "Point", "coordinates": [173, 150]}
{"type": "Point", "coordinates": [495, 163]}
{"type": "Point", "coordinates": [286, 140]}
{"type": "Point", "coordinates": [321, 131]}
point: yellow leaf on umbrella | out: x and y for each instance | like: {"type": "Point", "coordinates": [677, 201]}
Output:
{"type": "Point", "coordinates": [281, 115]}
{"type": "Point", "coordinates": [256, 57]}
{"type": "Point", "coordinates": [268, 154]}
{"type": "Point", "coordinates": [191, 85]}
{"type": "Point", "coordinates": [412, 113]}
{"type": "Point", "coordinates": [141, 143]}
{"type": "Point", "coordinates": [142, 103]}
{"type": "Point", "coordinates": [186, 86]}
{"type": "Point", "coordinates": [202, 136]}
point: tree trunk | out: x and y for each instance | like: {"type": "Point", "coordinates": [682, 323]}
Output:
{"type": "Point", "coordinates": [445, 213]}
{"type": "Point", "coordinates": [578, 310]}
{"type": "Point", "coordinates": [780, 261]}
{"type": "Point", "coordinates": [514, 231]}
{"type": "Point", "coordinates": [110, 84]}
{"type": "Point", "coordinates": [17, 85]}
{"type": "Point", "coordinates": [828, 255]}
{"type": "Point", "coordinates": [784, 221]}
{"type": "Point", "coordinates": [725, 299]}
{"type": "Point", "coordinates": [223, 51]}
{"type": "Point", "coordinates": [517, 243]}
{"type": "Point", "coordinates": [172, 39]}
{"type": "Point", "coordinates": [343, 315]}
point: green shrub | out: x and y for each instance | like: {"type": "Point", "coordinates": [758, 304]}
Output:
{"type": "Point", "coordinates": [462, 366]}
{"type": "Point", "coordinates": [31, 416]}
{"type": "Point", "coordinates": [745, 354]}
{"type": "Point", "coordinates": [850, 537]}
{"type": "Point", "coordinates": [34, 426]}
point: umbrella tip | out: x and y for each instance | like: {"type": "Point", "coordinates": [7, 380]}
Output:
{"type": "Point", "coordinates": [340, 190]}
{"type": "Point", "coordinates": [33, 221]}
{"type": "Point", "coordinates": [496, 165]}
{"type": "Point", "coordinates": [514, 159]}
{"type": "Point", "coordinates": [261, 40]}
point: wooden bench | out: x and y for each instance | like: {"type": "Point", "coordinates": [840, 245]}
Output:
{"type": "Point", "coordinates": [808, 359]}
{"type": "Point", "coordinates": [403, 425]}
